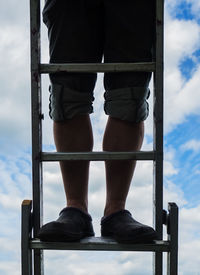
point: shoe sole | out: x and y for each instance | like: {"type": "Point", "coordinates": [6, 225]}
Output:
{"type": "Point", "coordinates": [63, 238]}
{"type": "Point", "coordinates": [130, 240]}
{"type": "Point", "coordinates": [58, 234]}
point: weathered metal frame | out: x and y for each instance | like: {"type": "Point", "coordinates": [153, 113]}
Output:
{"type": "Point", "coordinates": [172, 228]}
{"type": "Point", "coordinates": [158, 131]}
{"type": "Point", "coordinates": [38, 157]}
{"type": "Point", "coordinates": [36, 108]}
{"type": "Point", "coordinates": [102, 244]}
{"type": "Point", "coordinates": [98, 67]}
{"type": "Point", "coordinates": [98, 156]}
{"type": "Point", "coordinates": [26, 235]}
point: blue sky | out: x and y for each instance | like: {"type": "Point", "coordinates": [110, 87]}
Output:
{"type": "Point", "coordinates": [182, 148]}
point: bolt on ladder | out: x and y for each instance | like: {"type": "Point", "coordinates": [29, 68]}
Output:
{"type": "Point", "coordinates": [32, 210]}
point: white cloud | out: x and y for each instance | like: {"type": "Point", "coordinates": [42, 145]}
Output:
{"type": "Point", "coordinates": [171, 5]}
{"type": "Point", "coordinates": [98, 263]}
{"type": "Point", "coordinates": [169, 169]}
{"type": "Point", "coordinates": [176, 7]}
{"type": "Point", "coordinates": [14, 184]}
{"type": "Point", "coordinates": [195, 7]}
{"type": "Point", "coordinates": [173, 193]}
{"type": "Point", "coordinates": [177, 44]}
{"type": "Point", "coordinates": [10, 267]}
{"type": "Point", "coordinates": [181, 97]}
{"type": "Point", "coordinates": [193, 145]}
{"type": "Point", "coordinates": [189, 240]}
{"type": "Point", "coordinates": [169, 157]}
{"type": "Point", "coordinates": [15, 86]}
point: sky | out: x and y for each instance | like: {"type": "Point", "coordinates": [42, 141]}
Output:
{"type": "Point", "coordinates": [181, 148]}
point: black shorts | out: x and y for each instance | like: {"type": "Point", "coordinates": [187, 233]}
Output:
{"type": "Point", "coordinates": [87, 31]}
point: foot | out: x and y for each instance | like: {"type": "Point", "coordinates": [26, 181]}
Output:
{"type": "Point", "coordinates": [124, 229]}
{"type": "Point", "coordinates": [72, 225]}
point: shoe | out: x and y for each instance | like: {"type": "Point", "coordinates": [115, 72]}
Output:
{"type": "Point", "coordinates": [72, 225]}
{"type": "Point", "coordinates": [124, 229]}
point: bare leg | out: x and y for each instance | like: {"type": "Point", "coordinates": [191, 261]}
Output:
{"type": "Point", "coordinates": [120, 136]}
{"type": "Point", "coordinates": [75, 135]}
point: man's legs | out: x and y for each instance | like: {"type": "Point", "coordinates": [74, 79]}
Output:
{"type": "Point", "coordinates": [128, 38]}
{"type": "Point", "coordinates": [74, 222]}
{"type": "Point", "coordinates": [118, 222]}
{"type": "Point", "coordinates": [75, 36]}
{"type": "Point", "coordinates": [120, 136]}
{"type": "Point", "coordinates": [75, 135]}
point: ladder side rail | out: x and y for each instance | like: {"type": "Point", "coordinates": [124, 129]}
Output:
{"type": "Point", "coordinates": [36, 129]}
{"type": "Point", "coordinates": [158, 132]}
{"type": "Point", "coordinates": [172, 255]}
{"type": "Point", "coordinates": [36, 114]}
{"type": "Point", "coordinates": [26, 230]}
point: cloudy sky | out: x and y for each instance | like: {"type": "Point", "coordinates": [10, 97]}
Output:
{"type": "Point", "coordinates": [181, 141]}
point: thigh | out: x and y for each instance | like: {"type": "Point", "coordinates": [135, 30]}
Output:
{"type": "Point", "coordinates": [129, 27]}
{"type": "Point", "coordinates": [75, 36]}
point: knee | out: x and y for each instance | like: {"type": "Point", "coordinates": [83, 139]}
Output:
{"type": "Point", "coordinates": [127, 104]}
{"type": "Point", "coordinates": [66, 103]}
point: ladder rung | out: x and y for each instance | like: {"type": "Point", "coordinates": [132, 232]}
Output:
{"type": "Point", "coordinates": [98, 67]}
{"type": "Point", "coordinates": [98, 156]}
{"type": "Point", "coordinates": [98, 243]}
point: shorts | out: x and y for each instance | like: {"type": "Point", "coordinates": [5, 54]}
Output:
{"type": "Point", "coordinates": [87, 31]}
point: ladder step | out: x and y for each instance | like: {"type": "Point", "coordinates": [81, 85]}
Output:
{"type": "Point", "coordinates": [99, 243]}
{"type": "Point", "coordinates": [97, 67]}
{"type": "Point", "coordinates": [98, 156]}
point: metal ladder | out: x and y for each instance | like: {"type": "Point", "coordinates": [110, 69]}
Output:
{"type": "Point", "coordinates": [32, 210]}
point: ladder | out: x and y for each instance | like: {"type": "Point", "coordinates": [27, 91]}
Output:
{"type": "Point", "coordinates": [32, 210]}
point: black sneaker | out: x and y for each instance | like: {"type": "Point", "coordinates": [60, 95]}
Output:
{"type": "Point", "coordinates": [124, 229]}
{"type": "Point", "coordinates": [72, 225]}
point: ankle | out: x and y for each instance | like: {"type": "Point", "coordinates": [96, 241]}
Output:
{"type": "Point", "coordinates": [111, 208]}
{"type": "Point", "coordinates": [79, 205]}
